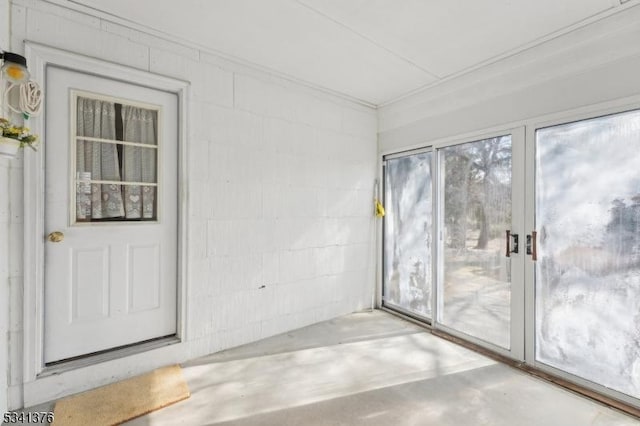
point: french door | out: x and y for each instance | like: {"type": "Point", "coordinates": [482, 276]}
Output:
{"type": "Point", "coordinates": [452, 247]}
{"type": "Point", "coordinates": [528, 248]}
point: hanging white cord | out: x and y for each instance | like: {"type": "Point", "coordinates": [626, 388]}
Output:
{"type": "Point", "coordinates": [31, 98]}
{"type": "Point", "coordinates": [30, 102]}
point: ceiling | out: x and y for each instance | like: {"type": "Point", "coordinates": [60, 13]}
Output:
{"type": "Point", "coordinates": [371, 50]}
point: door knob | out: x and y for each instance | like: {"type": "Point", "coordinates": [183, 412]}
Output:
{"type": "Point", "coordinates": [55, 237]}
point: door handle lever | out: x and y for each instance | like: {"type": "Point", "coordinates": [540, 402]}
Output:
{"type": "Point", "coordinates": [508, 253]}
{"type": "Point", "coordinates": [532, 248]}
{"type": "Point", "coordinates": [515, 243]}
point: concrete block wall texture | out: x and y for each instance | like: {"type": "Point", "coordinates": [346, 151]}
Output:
{"type": "Point", "coordinates": [280, 188]}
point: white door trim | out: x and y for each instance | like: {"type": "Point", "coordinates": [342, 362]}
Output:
{"type": "Point", "coordinates": [39, 58]}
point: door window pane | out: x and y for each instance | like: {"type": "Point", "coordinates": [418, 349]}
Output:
{"type": "Point", "coordinates": [475, 276]}
{"type": "Point", "coordinates": [116, 161]}
{"type": "Point", "coordinates": [588, 268]}
{"type": "Point", "coordinates": [407, 233]}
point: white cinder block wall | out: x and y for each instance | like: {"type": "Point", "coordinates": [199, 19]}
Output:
{"type": "Point", "coordinates": [280, 187]}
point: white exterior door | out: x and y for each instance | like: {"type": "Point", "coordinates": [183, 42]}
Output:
{"type": "Point", "coordinates": [110, 226]}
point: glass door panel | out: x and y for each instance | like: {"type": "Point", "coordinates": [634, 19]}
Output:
{"type": "Point", "coordinates": [116, 155]}
{"type": "Point", "coordinates": [474, 293]}
{"type": "Point", "coordinates": [407, 234]}
{"type": "Point", "coordinates": [587, 276]}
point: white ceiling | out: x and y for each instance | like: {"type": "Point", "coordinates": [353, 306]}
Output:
{"type": "Point", "coordinates": [371, 50]}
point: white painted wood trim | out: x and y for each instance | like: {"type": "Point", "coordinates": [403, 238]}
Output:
{"type": "Point", "coordinates": [37, 389]}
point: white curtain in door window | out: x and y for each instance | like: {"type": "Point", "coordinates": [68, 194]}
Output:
{"type": "Point", "coordinates": [139, 163]}
{"type": "Point", "coordinates": [97, 119]}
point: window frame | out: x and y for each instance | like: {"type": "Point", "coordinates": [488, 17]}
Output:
{"type": "Point", "coordinates": [73, 181]}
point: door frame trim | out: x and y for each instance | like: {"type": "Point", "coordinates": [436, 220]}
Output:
{"type": "Point", "coordinates": [40, 57]}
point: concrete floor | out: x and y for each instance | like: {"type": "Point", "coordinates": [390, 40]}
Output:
{"type": "Point", "coordinates": [369, 369]}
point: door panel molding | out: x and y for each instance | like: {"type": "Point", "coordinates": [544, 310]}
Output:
{"type": "Point", "coordinates": [40, 57]}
